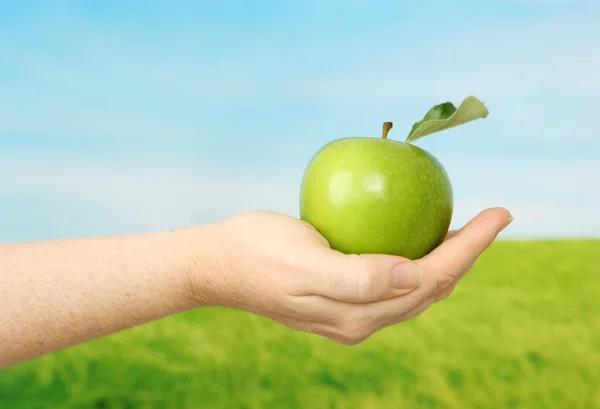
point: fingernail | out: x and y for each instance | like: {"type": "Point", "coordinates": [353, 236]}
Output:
{"type": "Point", "coordinates": [407, 275]}
{"type": "Point", "coordinates": [507, 222]}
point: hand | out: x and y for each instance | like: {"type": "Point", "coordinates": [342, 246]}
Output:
{"type": "Point", "coordinates": [281, 268]}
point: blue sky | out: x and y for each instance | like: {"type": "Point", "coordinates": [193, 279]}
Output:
{"type": "Point", "coordinates": [120, 117]}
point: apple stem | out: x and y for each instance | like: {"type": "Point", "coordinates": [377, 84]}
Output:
{"type": "Point", "coordinates": [386, 128]}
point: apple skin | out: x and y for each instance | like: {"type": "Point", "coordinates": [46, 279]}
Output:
{"type": "Point", "coordinates": [377, 196]}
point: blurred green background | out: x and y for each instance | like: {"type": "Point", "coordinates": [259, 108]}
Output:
{"type": "Point", "coordinates": [521, 331]}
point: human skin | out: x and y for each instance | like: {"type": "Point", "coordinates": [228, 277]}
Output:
{"type": "Point", "coordinates": [60, 293]}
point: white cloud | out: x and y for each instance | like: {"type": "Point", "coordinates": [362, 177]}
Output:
{"type": "Point", "coordinates": [150, 194]}
{"type": "Point", "coordinates": [536, 219]}
{"type": "Point", "coordinates": [547, 199]}
{"type": "Point", "coordinates": [549, 196]}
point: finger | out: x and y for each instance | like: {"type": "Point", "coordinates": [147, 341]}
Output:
{"type": "Point", "coordinates": [417, 310]}
{"type": "Point", "coordinates": [380, 313]}
{"type": "Point", "coordinates": [457, 254]}
{"type": "Point", "coordinates": [444, 290]}
{"type": "Point", "coordinates": [364, 278]}
{"type": "Point", "coordinates": [361, 332]}
{"type": "Point", "coordinates": [350, 324]}
{"type": "Point", "coordinates": [454, 283]}
{"type": "Point", "coordinates": [324, 330]}
{"type": "Point", "coordinates": [451, 234]}
{"type": "Point", "coordinates": [337, 313]}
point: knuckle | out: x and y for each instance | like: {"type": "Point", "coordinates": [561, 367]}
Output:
{"type": "Point", "coordinates": [366, 281]}
{"type": "Point", "coordinates": [441, 284]}
{"type": "Point", "coordinates": [445, 293]}
{"type": "Point", "coordinates": [353, 338]}
{"type": "Point", "coordinates": [444, 277]}
{"type": "Point", "coordinates": [354, 330]}
{"type": "Point", "coordinates": [350, 342]}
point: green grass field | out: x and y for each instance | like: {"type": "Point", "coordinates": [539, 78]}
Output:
{"type": "Point", "coordinates": [522, 331]}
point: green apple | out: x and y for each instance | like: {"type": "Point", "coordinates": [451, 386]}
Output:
{"type": "Point", "coordinates": [377, 195]}
{"type": "Point", "coordinates": [370, 195]}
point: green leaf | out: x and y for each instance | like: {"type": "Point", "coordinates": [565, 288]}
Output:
{"type": "Point", "coordinates": [446, 115]}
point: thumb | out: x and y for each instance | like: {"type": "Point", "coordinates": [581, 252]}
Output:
{"type": "Point", "coordinates": [367, 277]}
{"type": "Point", "coordinates": [457, 254]}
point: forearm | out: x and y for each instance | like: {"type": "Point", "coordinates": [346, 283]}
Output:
{"type": "Point", "coordinates": [60, 293]}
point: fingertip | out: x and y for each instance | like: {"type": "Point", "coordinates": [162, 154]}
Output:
{"type": "Point", "coordinates": [499, 217]}
{"type": "Point", "coordinates": [504, 217]}
{"type": "Point", "coordinates": [499, 213]}
{"type": "Point", "coordinates": [464, 247]}
{"type": "Point", "coordinates": [495, 217]}
{"type": "Point", "coordinates": [508, 221]}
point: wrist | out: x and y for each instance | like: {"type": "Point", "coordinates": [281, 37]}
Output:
{"type": "Point", "coordinates": [204, 272]}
